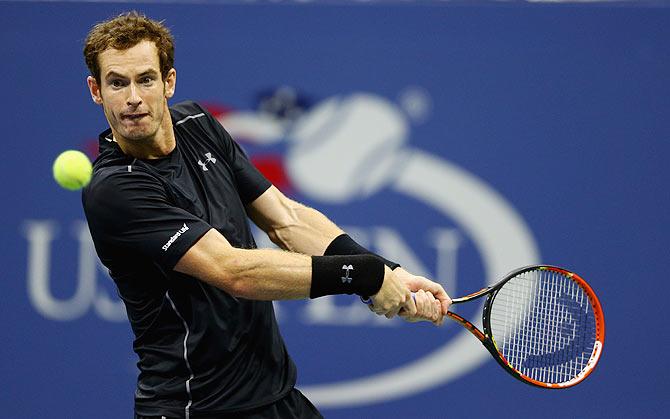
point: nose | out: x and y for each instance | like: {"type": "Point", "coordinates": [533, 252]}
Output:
{"type": "Point", "coordinates": [134, 98]}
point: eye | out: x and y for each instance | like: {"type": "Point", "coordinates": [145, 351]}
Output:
{"type": "Point", "coordinates": [147, 80]}
{"type": "Point", "coordinates": [116, 83]}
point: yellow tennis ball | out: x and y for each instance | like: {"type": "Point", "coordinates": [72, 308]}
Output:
{"type": "Point", "coordinates": [72, 170]}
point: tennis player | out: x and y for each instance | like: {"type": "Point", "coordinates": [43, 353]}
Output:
{"type": "Point", "coordinates": [168, 210]}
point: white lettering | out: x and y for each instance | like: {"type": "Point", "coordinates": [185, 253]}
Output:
{"type": "Point", "coordinates": [40, 234]}
{"type": "Point", "coordinates": [176, 235]}
{"type": "Point", "coordinates": [106, 303]}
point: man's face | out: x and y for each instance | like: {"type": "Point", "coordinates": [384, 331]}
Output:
{"type": "Point", "coordinates": [132, 92]}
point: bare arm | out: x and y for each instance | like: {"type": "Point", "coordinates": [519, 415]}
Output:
{"type": "Point", "coordinates": [259, 274]}
{"type": "Point", "coordinates": [295, 227]}
{"type": "Point", "coordinates": [265, 274]}
{"type": "Point", "coordinates": [291, 225]}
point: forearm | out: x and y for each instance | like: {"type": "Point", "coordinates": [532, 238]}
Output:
{"type": "Point", "coordinates": [259, 274]}
{"type": "Point", "coordinates": [293, 226]}
{"type": "Point", "coordinates": [267, 274]}
{"type": "Point", "coordinates": [311, 233]}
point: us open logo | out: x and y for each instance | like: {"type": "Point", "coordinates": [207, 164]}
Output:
{"type": "Point", "coordinates": [349, 149]}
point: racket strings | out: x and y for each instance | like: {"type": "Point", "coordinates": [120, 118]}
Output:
{"type": "Point", "coordinates": [544, 326]}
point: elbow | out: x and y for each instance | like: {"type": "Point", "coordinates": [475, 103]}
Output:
{"type": "Point", "coordinates": [277, 237]}
{"type": "Point", "coordinates": [233, 278]}
{"type": "Point", "coordinates": [281, 235]}
{"type": "Point", "coordinates": [239, 289]}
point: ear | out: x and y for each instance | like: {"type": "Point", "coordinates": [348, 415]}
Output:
{"type": "Point", "coordinates": [94, 88]}
{"type": "Point", "coordinates": [170, 83]}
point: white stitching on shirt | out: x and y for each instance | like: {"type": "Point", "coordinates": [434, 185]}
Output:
{"type": "Point", "coordinates": [189, 117]}
{"type": "Point", "coordinates": [188, 364]}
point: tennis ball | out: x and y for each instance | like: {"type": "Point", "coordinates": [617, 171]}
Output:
{"type": "Point", "coordinates": [72, 170]}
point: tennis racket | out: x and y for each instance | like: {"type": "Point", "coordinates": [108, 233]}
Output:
{"type": "Point", "coordinates": [543, 324]}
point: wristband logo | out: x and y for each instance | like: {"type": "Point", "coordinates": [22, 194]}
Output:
{"type": "Point", "coordinates": [346, 278]}
{"type": "Point", "coordinates": [373, 133]}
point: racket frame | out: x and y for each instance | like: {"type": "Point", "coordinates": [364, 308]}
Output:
{"type": "Point", "coordinates": [486, 337]}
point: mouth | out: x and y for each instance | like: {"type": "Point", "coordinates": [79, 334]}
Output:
{"type": "Point", "coordinates": [134, 116]}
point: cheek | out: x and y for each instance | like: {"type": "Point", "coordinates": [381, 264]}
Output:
{"type": "Point", "coordinates": [158, 100]}
{"type": "Point", "coordinates": [109, 106]}
{"type": "Point", "coordinates": [108, 100]}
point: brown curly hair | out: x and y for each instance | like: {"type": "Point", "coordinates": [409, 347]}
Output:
{"type": "Point", "coordinates": [125, 31]}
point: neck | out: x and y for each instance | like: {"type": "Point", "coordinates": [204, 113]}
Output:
{"type": "Point", "coordinates": [160, 145]}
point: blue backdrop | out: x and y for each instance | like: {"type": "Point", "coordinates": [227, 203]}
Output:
{"type": "Point", "coordinates": [462, 140]}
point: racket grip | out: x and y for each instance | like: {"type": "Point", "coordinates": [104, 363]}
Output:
{"type": "Point", "coordinates": [368, 300]}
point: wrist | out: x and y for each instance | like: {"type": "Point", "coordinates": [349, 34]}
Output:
{"type": "Point", "coordinates": [346, 274]}
{"type": "Point", "coordinates": [345, 245]}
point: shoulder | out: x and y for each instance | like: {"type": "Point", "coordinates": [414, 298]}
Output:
{"type": "Point", "coordinates": [117, 187]}
{"type": "Point", "coordinates": [187, 109]}
{"type": "Point", "coordinates": [195, 121]}
{"type": "Point", "coordinates": [190, 114]}
{"type": "Point", "coordinates": [108, 178]}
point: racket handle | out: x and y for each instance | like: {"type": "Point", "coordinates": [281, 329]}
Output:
{"type": "Point", "coordinates": [368, 300]}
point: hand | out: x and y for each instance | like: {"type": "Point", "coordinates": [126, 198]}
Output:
{"type": "Point", "coordinates": [428, 308]}
{"type": "Point", "coordinates": [392, 297]}
{"type": "Point", "coordinates": [416, 283]}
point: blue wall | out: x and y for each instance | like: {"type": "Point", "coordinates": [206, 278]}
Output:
{"type": "Point", "coordinates": [517, 133]}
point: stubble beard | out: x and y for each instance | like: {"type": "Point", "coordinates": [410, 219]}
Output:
{"type": "Point", "coordinates": [144, 133]}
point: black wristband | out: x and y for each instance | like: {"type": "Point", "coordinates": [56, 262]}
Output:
{"type": "Point", "coordinates": [345, 245]}
{"type": "Point", "coordinates": [351, 274]}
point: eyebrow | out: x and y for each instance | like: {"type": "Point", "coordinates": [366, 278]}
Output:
{"type": "Point", "coordinates": [112, 74]}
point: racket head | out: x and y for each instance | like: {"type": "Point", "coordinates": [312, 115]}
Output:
{"type": "Point", "coordinates": [545, 326]}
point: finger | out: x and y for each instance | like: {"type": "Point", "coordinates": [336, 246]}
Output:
{"type": "Point", "coordinates": [373, 304]}
{"type": "Point", "coordinates": [441, 294]}
{"type": "Point", "coordinates": [410, 304]}
{"type": "Point", "coordinates": [426, 309]}
{"type": "Point", "coordinates": [445, 306]}
{"type": "Point", "coordinates": [394, 312]}
{"type": "Point", "coordinates": [427, 305]}
{"type": "Point", "coordinates": [421, 302]}
{"type": "Point", "coordinates": [438, 311]}
{"type": "Point", "coordinates": [434, 307]}
{"type": "Point", "coordinates": [378, 310]}
{"type": "Point", "coordinates": [438, 291]}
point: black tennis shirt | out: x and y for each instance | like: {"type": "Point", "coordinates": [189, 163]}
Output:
{"type": "Point", "coordinates": [200, 349]}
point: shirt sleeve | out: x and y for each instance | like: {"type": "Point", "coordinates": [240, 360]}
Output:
{"type": "Point", "coordinates": [249, 180]}
{"type": "Point", "coordinates": [131, 212]}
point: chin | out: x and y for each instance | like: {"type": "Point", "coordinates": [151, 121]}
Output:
{"type": "Point", "coordinates": [143, 137]}
{"type": "Point", "coordinates": [133, 136]}
{"type": "Point", "coordinates": [137, 134]}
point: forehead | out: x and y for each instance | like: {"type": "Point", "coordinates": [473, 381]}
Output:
{"type": "Point", "coordinates": [141, 57]}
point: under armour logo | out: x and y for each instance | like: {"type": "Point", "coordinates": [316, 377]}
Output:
{"type": "Point", "coordinates": [209, 159]}
{"type": "Point", "coordinates": [346, 277]}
